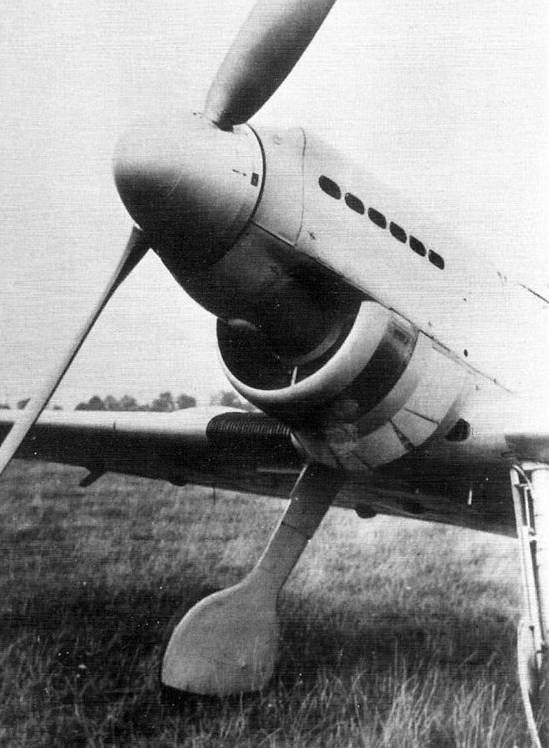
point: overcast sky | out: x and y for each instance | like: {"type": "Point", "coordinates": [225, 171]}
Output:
{"type": "Point", "coordinates": [446, 101]}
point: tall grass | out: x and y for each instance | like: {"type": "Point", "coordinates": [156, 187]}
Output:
{"type": "Point", "coordinates": [394, 633]}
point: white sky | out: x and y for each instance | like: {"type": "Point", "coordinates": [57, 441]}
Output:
{"type": "Point", "coordinates": [445, 100]}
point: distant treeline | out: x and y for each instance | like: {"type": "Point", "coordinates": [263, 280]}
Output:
{"type": "Point", "coordinates": [164, 403]}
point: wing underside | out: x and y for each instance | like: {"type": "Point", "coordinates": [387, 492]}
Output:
{"type": "Point", "coordinates": [225, 448]}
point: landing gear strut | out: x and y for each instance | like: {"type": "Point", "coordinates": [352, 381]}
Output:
{"type": "Point", "coordinates": [530, 484]}
{"type": "Point", "coordinates": [228, 642]}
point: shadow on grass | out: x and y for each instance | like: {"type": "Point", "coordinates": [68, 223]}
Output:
{"type": "Point", "coordinates": [381, 642]}
{"type": "Point", "coordinates": [99, 653]}
{"type": "Point", "coordinates": [101, 650]}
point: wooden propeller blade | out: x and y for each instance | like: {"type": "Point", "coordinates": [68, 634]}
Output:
{"type": "Point", "coordinates": [268, 45]}
{"type": "Point", "coordinates": [134, 251]}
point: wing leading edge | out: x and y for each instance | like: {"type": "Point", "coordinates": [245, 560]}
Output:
{"type": "Point", "coordinates": [232, 449]}
{"type": "Point", "coordinates": [206, 446]}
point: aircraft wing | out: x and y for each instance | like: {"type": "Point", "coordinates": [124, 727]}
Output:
{"type": "Point", "coordinates": [221, 447]}
{"type": "Point", "coordinates": [207, 446]}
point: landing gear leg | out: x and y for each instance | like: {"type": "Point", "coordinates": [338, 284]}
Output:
{"type": "Point", "coordinates": [228, 642]}
{"type": "Point", "coordinates": [530, 484]}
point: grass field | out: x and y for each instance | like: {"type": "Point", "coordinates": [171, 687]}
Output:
{"type": "Point", "coordinates": [396, 634]}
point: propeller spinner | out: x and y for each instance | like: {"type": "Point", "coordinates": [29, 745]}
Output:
{"type": "Point", "coordinates": [191, 186]}
{"type": "Point", "coordinates": [166, 182]}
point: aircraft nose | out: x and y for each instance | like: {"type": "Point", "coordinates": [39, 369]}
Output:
{"type": "Point", "coordinates": [190, 186]}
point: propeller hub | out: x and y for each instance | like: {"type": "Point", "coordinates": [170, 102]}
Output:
{"type": "Point", "coordinates": [190, 186]}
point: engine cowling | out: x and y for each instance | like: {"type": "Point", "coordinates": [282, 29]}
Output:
{"type": "Point", "coordinates": [382, 389]}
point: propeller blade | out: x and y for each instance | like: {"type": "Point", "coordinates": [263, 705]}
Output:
{"type": "Point", "coordinates": [268, 45]}
{"type": "Point", "coordinates": [134, 251]}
